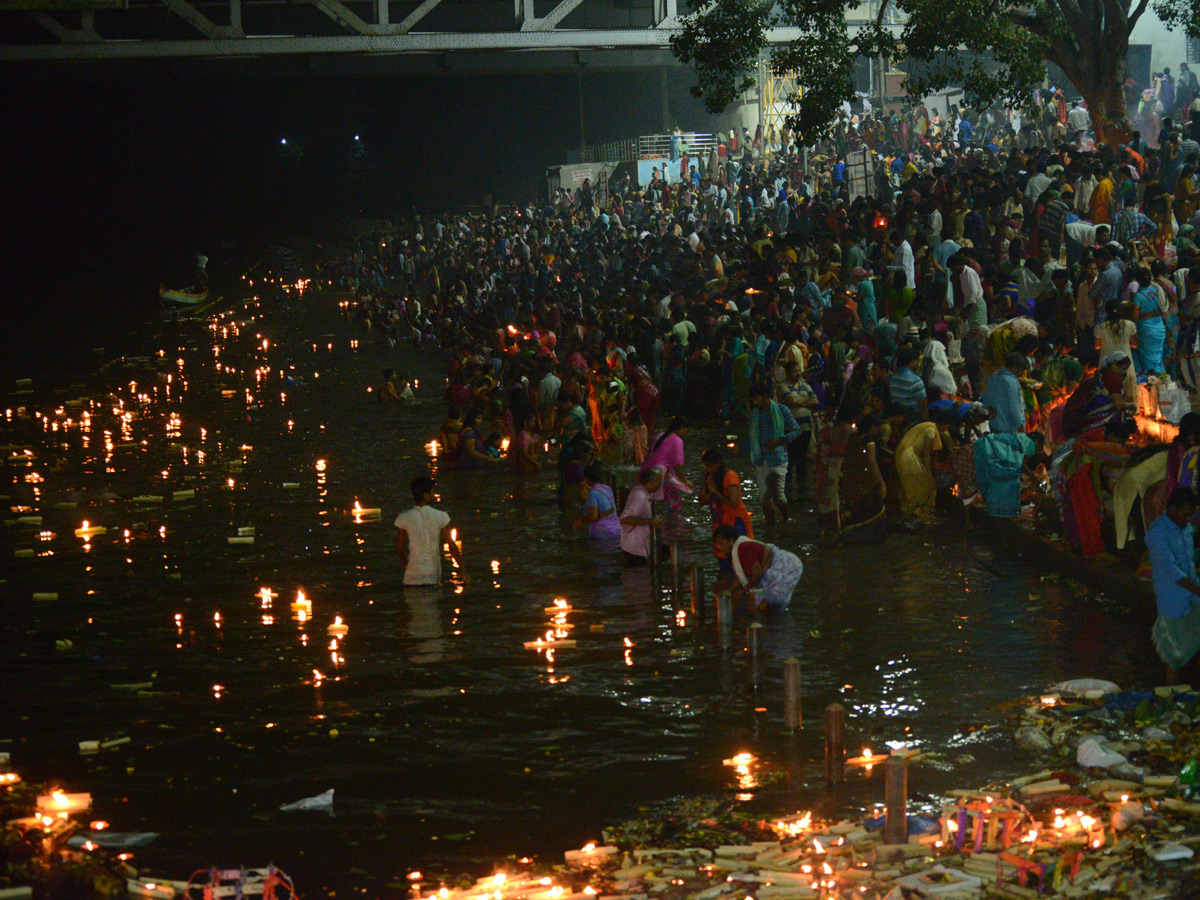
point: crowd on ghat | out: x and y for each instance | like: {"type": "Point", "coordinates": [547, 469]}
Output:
{"type": "Point", "coordinates": [977, 321]}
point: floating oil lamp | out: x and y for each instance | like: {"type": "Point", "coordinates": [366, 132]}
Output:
{"type": "Point", "coordinates": [589, 854]}
{"type": "Point", "coordinates": [87, 531]}
{"type": "Point", "coordinates": [302, 606]}
{"type": "Point", "coordinates": [867, 759]}
{"type": "Point", "coordinates": [561, 605]}
{"type": "Point", "coordinates": [362, 514]}
{"type": "Point", "coordinates": [338, 629]}
{"type": "Point", "coordinates": [58, 802]}
{"type": "Point", "coordinates": [549, 642]}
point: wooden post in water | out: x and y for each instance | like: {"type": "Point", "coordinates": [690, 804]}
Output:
{"type": "Point", "coordinates": [655, 550]}
{"type": "Point", "coordinates": [791, 694]}
{"type": "Point", "coordinates": [895, 826]}
{"type": "Point", "coordinates": [835, 751]}
{"type": "Point", "coordinates": [674, 547]}
{"type": "Point", "coordinates": [752, 647]}
{"type": "Point", "coordinates": [725, 620]}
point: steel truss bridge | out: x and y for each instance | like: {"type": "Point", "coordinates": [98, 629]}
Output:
{"type": "Point", "coordinates": [506, 35]}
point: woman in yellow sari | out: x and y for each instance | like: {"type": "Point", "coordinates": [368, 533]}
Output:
{"type": "Point", "coordinates": [914, 466]}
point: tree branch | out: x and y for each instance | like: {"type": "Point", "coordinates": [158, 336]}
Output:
{"type": "Point", "coordinates": [1115, 25]}
{"type": "Point", "coordinates": [1137, 13]}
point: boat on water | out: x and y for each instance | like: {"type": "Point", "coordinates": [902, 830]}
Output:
{"type": "Point", "coordinates": [173, 299]}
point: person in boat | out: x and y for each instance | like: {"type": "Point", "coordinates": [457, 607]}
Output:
{"type": "Point", "coordinates": [200, 278]}
{"type": "Point", "coordinates": [764, 570]}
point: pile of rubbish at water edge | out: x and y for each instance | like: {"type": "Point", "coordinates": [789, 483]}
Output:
{"type": "Point", "coordinates": [48, 849]}
{"type": "Point", "coordinates": [1034, 836]}
{"type": "Point", "coordinates": [1120, 818]}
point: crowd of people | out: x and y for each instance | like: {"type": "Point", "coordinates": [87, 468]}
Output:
{"type": "Point", "coordinates": [977, 323]}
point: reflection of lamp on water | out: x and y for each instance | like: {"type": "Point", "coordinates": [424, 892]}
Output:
{"type": "Point", "coordinates": [338, 629]}
{"type": "Point", "coordinates": [433, 447]}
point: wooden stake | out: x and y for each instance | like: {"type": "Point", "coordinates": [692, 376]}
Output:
{"type": "Point", "coordinates": [835, 751]}
{"type": "Point", "coordinates": [895, 827]}
{"type": "Point", "coordinates": [791, 690]}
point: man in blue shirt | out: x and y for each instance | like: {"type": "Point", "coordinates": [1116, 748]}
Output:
{"type": "Point", "coordinates": [1172, 549]}
{"type": "Point", "coordinates": [772, 428]}
{"type": "Point", "coordinates": [906, 386]}
{"type": "Point", "coordinates": [1003, 394]}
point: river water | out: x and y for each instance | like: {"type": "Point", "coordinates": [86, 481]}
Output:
{"type": "Point", "coordinates": [447, 742]}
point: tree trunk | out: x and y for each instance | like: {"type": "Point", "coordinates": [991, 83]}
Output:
{"type": "Point", "coordinates": [1101, 81]}
{"type": "Point", "coordinates": [1109, 110]}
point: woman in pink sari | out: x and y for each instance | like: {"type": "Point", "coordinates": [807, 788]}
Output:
{"type": "Point", "coordinates": [666, 453]}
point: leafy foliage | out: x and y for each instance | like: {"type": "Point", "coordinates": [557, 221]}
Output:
{"type": "Point", "coordinates": [995, 49]}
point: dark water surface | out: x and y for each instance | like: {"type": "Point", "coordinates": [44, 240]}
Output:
{"type": "Point", "coordinates": [447, 742]}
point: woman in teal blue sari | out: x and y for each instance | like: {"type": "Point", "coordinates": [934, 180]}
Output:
{"type": "Point", "coordinates": [1151, 329]}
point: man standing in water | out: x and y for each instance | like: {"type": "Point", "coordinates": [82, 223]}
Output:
{"type": "Point", "coordinates": [772, 428]}
{"type": "Point", "coordinates": [424, 529]}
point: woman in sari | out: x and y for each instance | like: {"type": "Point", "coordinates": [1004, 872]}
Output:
{"type": "Point", "coordinates": [1088, 473]}
{"type": "Point", "coordinates": [1149, 307]}
{"type": "Point", "coordinates": [599, 506]}
{"type": "Point", "coordinates": [447, 436]}
{"type": "Point", "coordinates": [914, 467]}
{"type": "Point", "coordinates": [767, 572]}
{"type": "Point", "coordinates": [851, 487]}
{"type": "Point", "coordinates": [472, 452]}
{"type": "Point", "coordinates": [666, 452]}
{"type": "Point", "coordinates": [1184, 454]}
{"type": "Point", "coordinates": [1098, 401]}
{"type": "Point", "coordinates": [722, 491]}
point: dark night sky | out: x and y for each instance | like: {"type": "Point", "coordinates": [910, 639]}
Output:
{"type": "Point", "coordinates": [115, 175]}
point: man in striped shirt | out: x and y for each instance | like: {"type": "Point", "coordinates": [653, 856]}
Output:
{"type": "Point", "coordinates": [906, 386]}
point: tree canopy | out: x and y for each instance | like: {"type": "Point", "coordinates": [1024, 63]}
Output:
{"type": "Point", "coordinates": [996, 50]}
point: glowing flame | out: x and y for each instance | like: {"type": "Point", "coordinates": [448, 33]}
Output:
{"type": "Point", "coordinates": [588, 848]}
{"type": "Point", "coordinates": [60, 800]}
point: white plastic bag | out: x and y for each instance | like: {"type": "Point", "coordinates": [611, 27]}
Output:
{"type": "Point", "coordinates": [1078, 686]}
{"type": "Point", "coordinates": [321, 802]}
{"type": "Point", "coordinates": [1093, 755]}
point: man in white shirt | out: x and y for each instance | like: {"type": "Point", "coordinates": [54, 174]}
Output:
{"type": "Point", "coordinates": [424, 529]}
{"type": "Point", "coordinates": [974, 306]}
{"type": "Point", "coordinates": [1078, 118]}
{"type": "Point", "coordinates": [903, 259]}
